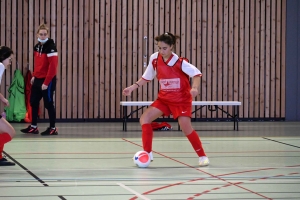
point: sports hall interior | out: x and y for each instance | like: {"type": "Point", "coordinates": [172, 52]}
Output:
{"type": "Point", "coordinates": [247, 50]}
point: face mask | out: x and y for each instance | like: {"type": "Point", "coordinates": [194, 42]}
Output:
{"type": "Point", "coordinates": [43, 41]}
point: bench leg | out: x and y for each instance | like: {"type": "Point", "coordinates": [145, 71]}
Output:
{"type": "Point", "coordinates": [124, 118]}
{"type": "Point", "coordinates": [237, 118]}
{"type": "Point", "coordinates": [234, 116]}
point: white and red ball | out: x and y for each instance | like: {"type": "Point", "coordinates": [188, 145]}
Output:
{"type": "Point", "coordinates": [142, 159]}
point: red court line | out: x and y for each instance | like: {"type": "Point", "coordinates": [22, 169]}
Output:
{"type": "Point", "coordinates": [197, 170]}
{"type": "Point", "coordinates": [194, 180]}
{"type": "Point", "coordinates": [217, 188]}
{"type": "Point", "coordinates": [254, 152]}
{"type": "Point", "coordinates": [109, 153]}
{"type": "Point", "coordinates": [223, 152]}
{"type": "Point", "coordinates": [241, 172]}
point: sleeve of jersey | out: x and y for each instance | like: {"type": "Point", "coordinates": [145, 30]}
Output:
{"type": "Point", "coordinates": [150, 73]}
{"type": "Point", "coordinates": [2, 68]}
{"type": "Point", "coordinates": [190, 69]}
{"type": "Point", "coordinates": [53, 62]}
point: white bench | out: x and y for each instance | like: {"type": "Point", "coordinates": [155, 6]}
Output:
{"type": "Point", "coordinates": [212, 106]}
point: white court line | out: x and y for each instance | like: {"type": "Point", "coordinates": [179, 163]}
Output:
{"type": "Point", "coordinates": [132, 191]}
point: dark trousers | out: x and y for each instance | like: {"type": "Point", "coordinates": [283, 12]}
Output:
{"type": "Point", "coordinates": [37, 94]}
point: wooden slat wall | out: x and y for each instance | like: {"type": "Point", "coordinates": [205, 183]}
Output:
{"type": "Point", "coordinates": [238, 45]}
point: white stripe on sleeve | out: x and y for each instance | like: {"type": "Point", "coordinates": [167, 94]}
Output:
{"type": "Point", "coordinates": [52, 54]}
{"type": "Point", "coordinates": [150, 73]}
{"type": "Point", "coordinates": [2, 68]}
{"type": "Point", "coordinates": [190, 69]}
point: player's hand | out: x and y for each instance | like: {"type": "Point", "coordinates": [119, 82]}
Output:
{"type": "Point", "coordinates": [127, 91]}
{"type": "Point", "coordinates": [194, 92]}
{"type": "Point", "coordinates": [44, 87]}
{"type": "Point", "coordinates": [32, 80]}
{"type": "Point", "coordinates": [5, 102]}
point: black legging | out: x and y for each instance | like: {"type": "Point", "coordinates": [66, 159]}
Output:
{"type": "Point", "coordinates": [37, 94]}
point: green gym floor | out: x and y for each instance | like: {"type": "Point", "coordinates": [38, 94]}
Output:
{"type": "Point", "coordinates": [94, 161]}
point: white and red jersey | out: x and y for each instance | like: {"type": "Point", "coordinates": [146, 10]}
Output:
{"type": "Point", "coordinates": [2, 68]}
{"type": "Point", "coordinates": [173, 76]}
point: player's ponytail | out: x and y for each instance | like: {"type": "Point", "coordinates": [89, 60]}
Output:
{"type": "Point", "coordinates": [174, 37]}
{"type": "Point", "coordinates": [43, 27]}
{"type": "Point", "coordinates": [167, 38]}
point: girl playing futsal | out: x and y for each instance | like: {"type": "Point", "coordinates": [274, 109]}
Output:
{"type": "Point", "coordinates": [175, 94]}
{"type": "Point", "coordinates": [7, 132]}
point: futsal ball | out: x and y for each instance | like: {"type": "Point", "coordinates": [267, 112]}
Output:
{"type": "Point", "coordinates": [141, 159]}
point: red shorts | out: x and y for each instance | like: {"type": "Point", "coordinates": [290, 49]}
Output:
{"type": "Point", "coordinates": [175, 110]}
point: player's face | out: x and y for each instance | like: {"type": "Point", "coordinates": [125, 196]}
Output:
{"type": "Point", "coordinates": [42, 34]}
{"type": "Point", "coordinates": [164, 49]}
{"type": "Point", "coordinates": [7, 61]}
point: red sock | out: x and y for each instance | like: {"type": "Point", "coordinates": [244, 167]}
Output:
{"type": "Point", "coordinates": [196, 143]}
{"type": "Point", "coordinates": [4, 138]}
{"type": "Point", "coordinates": [147, 136]}
{"type": "Point", "coordinates": [1, 150]}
